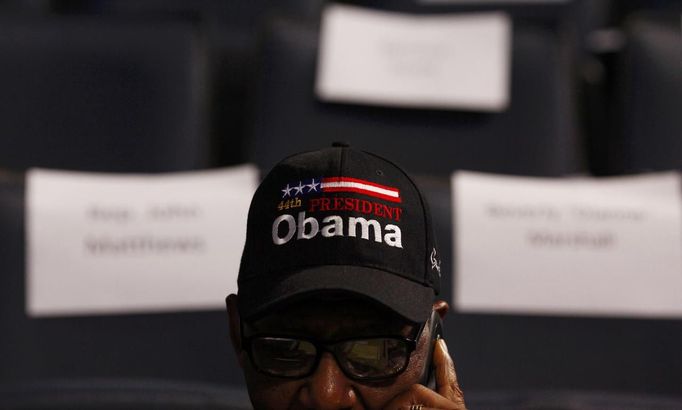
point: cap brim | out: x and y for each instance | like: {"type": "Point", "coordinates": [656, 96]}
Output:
{"type": "Point", "coordinates": [410, 300]}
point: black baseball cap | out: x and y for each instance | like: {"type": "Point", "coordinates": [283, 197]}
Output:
{"type": "Point", "coordinates": [339, 220]}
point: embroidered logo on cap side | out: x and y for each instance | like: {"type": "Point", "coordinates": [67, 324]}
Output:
{"type": "Point", "coordinates": [435, 261]}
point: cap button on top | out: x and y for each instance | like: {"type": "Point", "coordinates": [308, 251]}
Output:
{"type": "Point", "coordinates": [340, 144]}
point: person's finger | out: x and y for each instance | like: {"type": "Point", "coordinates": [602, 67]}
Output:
{"type": "Point", "coordinates": [446, 377]}
{"type": "Point", "coordinates": [418, 394]}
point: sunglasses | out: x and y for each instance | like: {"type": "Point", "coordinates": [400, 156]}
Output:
{"type": "Point", "coordinates": [364, 359]}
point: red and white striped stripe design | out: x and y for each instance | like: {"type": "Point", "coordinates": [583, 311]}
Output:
{"type": "Point", "coordinates": [346, 184]}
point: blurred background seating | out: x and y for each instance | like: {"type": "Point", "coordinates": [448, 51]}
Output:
{"type": "Point", "coordinates": [631, 78]}
{"type": "Point", "coordinates": [535, 136]}
{"type": "Point", "coordinates": [102, 95]}
{"type": "Point", "coordinates": [519, 353]}
{"type": "Point", "coordinates": [156, 86]}
{"type": "Point", "coordinates": [120, 394]}
{"type": "Point", "coordinates": [174, 346]}
{"type": "Point", "coordinates": [650, 89]}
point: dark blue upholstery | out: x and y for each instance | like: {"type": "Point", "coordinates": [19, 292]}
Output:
{"type": "Point", "coordinates": [228, 32]}
{"type": "Point", "coordinates": [535, 136]}
{"type": "Point", "coordinates": [146, 394]}
{"type": "Point", "coordinates": [569, 400]}
{"type": "Point", "coordinates": [192, 346]}
{"type": "Point", "coordinates": [650, 92]}
{"type": "Point", "coordinates": [101, 95]}
{"type": "Point", "coordinates": [116, 394]}
{"type": "Point", "coordinates": [498, 351]}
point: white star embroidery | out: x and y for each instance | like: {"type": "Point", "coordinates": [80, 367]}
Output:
{"type": "Point", "coordinates": [312, 186]}
{"type": "Point", "coordinates": [287, 191]}
{"type": "Point", "coordinates": [299, 188]}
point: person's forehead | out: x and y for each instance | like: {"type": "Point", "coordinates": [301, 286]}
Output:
{"type": "Point", "coordinates": [333, 315]}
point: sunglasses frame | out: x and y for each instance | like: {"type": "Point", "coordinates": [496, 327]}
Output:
{"type": "Point", "coordinates": [322, 346]}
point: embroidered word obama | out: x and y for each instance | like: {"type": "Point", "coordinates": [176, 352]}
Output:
{"type": "Point", "coordinates": [337, 304]}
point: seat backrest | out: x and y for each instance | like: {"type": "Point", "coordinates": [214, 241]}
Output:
{"type": "Point", "coordinates": [96, 94]}
{"type": "Point", "coordinates": [189, 346]}
{"type": "Point", "coordinates": [535, 136]}
{"type": "Point", "coordinates": [522, 353]}
{"type": "Point", "coordinates": [569, 400]}
{"type": "Point", "coordinates": [650, 74]}
{"type": "Point", "coordinates": [115, 394]}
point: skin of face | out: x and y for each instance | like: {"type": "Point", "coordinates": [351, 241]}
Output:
{"type": "Point", "coordinates": [328, 387]}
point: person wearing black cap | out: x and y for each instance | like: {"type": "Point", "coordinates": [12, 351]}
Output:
{"type": "Point", "coordinates": [337, 307]}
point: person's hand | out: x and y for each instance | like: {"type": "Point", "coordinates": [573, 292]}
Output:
{"type": "Point", "coordinates": [448, 395]}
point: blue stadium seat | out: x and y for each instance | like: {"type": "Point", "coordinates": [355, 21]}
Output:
{"type": "Point", "coordinates": [182, 347]}
{"type": "Point", "coordinates": [95, 94]}
{"type": "Point", "coordinates": [535, 136]}
{"type": "Point", "coordinates": [229, 32]}
{"type": "Point", "coordinates": [525, 353]}
{"type": "Point", "coordinates": [650, 94]}
{"type": "Point", "coordinates": [569, 400]}
{"type": "Point", "coordinates": [116, 394]}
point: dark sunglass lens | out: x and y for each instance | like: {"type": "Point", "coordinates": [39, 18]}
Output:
{"type": "Point", "coordinates": [282, 356]}
{"type": "Point", "coordinates": [373, 358]}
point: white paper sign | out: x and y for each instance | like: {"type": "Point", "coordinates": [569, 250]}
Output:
{"type": "Point", "coordinates": [608, 247]}
{"type": "Point", "coordinates": [456, 61]}
{"type": "Point", "coordinates": [105, 243]}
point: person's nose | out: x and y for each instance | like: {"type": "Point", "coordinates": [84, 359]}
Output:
{"type": "Point", "coordinates": [328, 388]}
